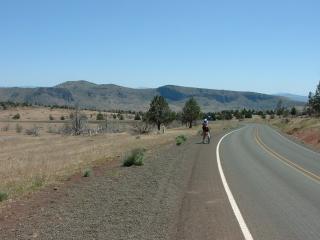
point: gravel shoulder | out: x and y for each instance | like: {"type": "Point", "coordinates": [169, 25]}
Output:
{"type": "Point", "coordinates": [116, 203]}
{"type": "Point", "coordinates": [205, 211]}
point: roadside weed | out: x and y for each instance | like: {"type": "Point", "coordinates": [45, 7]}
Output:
{"type": "Point", "coordinates": [3, 196]}
{"type": "Point", "coordinates": [136, 158]}
{"type": "Point", "coordinates": [87, 173]}
{"type": "Point", "coordinates": [181, 139]}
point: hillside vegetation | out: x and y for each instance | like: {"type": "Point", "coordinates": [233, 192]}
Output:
{"type": "Point", "coordinates": [109, 96]}
{"type": "Point", "coordinates": [306, 130]}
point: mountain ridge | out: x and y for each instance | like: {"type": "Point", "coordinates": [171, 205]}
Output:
{"type": "Point", "coordinates": [294, 97]}
{"type": "Point", "coordinates": [112, 96]}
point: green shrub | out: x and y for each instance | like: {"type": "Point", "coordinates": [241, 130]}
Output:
{"type": "Point", "coordinates": [137, 117]}
{"type": "Point", "coordinates": [51, 118]}
{"type": "Point", "coordinates": [38, 182]}
{"type": "Point", "coordinates": [135, 158]}
{"type": "Point", "coordinates": [16, 117]}
{"type": "Point", "coordinates": [120, 116]}
{"type": "Point", "coordinates": [87, 173]}
{"type": "Point", "coordinates": [180, 139]}
{"type": "Point", "coordinates": [3, 196]}
{"type": "Point", "coordinates": [100, 116]}
{"type": "Point", "coordinates": [62, 118]}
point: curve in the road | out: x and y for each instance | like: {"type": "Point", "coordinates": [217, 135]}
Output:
{"type": "Point", "coordinates": [244, 228]}
{"type": "Point", "coordinates": [274, 183]}
{"type": "Point", "coordinates": [296, 144]}
{"type": "Point", "coordinates": [285, 160]}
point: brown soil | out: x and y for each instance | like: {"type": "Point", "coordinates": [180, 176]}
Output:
{"type": "Point", "coordinates": [309, 136]}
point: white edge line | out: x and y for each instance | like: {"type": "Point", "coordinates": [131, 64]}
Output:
{"type": "Point", "coordinates": [245, 230]}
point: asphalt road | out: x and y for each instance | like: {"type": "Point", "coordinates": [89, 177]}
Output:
{"type": "Point", "coordinates": [275, 183]}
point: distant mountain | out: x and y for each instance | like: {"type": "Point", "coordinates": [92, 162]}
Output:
{"type": "Point", "coordinates": [110, 96]}
{"type": "Point", "coordinates": [293, 97]}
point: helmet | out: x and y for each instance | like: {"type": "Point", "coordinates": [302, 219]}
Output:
{"type": "Point", "coordinates": [205, 120]}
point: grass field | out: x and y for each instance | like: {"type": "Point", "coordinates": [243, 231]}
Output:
{"type": "Point", "coordinates": [28, 163]}
{"type": "Point", "coordinates": [43, 114]}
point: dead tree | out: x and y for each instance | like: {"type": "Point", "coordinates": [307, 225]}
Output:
{"type": "Point", "coordinates": [79, 122]}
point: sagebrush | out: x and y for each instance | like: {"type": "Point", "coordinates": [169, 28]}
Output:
{"type": "Point", "coordinates": [87, 173]}
{"type": "Point", "coordinates": [181, 139]}
{"type": "Point", "coordinates": [136, 158]}
{"type": "Point", "coordinates": [3, 196]}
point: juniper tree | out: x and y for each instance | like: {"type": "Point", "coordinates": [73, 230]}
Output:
{"type": "Point", "coordinates": [191, 111]}
{"type": "Point", "coordinates": [159, 112]}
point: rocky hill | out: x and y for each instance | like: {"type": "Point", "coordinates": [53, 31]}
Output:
{"type": "Point", "coordinates": [110, 96]}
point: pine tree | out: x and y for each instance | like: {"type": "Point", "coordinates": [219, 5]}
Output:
{"type": "Point", "coordinates": [279, 108]}
{"type": "Point", "coordinates": [159, 112]}
{"type": "Point", "coordinates": [100, 116]}
{"type": "Point", "coordinates": [293, 111]}
{"type": "Point", "coordinates": [314, 100]}
{"type": "Point", "coordinates": [191, 111]}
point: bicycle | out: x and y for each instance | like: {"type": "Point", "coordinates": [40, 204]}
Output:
{"type": "Point", "coordinates": [206, 137]}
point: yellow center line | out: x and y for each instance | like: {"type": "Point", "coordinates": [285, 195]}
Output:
{"type": "Point", "coordinates": [285, 160]}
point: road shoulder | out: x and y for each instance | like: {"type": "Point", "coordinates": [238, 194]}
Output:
{"type": "Point", "coordinates": [115, 203]}
{"type": "Point", "coordinates": [206, 212]}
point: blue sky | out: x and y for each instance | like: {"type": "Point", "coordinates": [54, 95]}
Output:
{"type": "Point", "coordinates": [266, 46]}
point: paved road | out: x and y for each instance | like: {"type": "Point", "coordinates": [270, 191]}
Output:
{"type": "Point", "coordinates": [275, 183]}
{"type": "Point", "coordinates": [206, 213]}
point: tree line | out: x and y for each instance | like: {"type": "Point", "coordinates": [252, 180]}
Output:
{"type": "Point", "coordinates": [8, 104]}
{"type": "Point", "coordinates": [313, 107]}
{"type": "Point", "coordinates": [159, 112]}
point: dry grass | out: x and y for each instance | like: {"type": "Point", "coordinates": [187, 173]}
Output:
{"type": "Point", "coordinates": [304, 129]}
{"type": "Point", "coordinates": [290, 124]}
{"type": "Point", "coordinates": [295, 124]}
{"type": "Point", "coordinates": [223, 125]}
{"type": "Point", "coordinates": [43, 113]}
{"type": "Point", "coordinates": [27, 163]}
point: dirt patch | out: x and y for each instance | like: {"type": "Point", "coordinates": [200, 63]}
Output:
{"type": "Point", "coordinates": [309, 136]}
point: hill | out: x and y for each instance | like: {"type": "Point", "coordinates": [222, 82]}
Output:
{"type": "Point", "coordinates": [110, 96]}
{"type": "Point", "coordinates": [293, 97]}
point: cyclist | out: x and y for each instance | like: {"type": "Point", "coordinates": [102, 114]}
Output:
{"type": "Point", "coordinates": [205, 131]}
